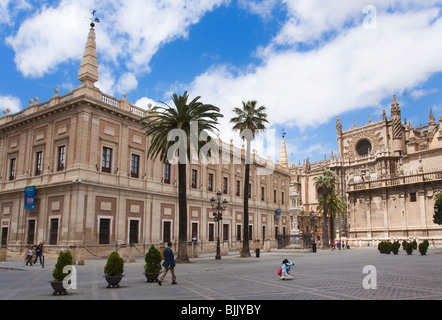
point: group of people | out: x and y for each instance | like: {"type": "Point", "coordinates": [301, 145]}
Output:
{"type": "Point", "coordinates": [30, 254]}
{"type": "Point", "coordinates": [338, 244]}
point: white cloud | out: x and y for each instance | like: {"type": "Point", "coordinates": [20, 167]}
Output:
{"type": "Point", "coordinates": [10, 8]}
{"type": "Point", "coordinates": [144, 103]}
{"type": "Point", "coordinates": [261, 8]}
{"type": "Point", "coordinates": [9, 102]}
{"type": "Point", "coordinates": [129, 34]}
{"type": "Point", "coordinates": [419, 93]}
{"type": "Point", "coordinates": [355, 68]}
{"type": "Point", "coordinates": [127, 82]}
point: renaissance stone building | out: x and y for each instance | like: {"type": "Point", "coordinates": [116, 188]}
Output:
{"type": "Point", "coordinates": [388, 171]}
{"type": "Point", "coordinates": [95, 187]}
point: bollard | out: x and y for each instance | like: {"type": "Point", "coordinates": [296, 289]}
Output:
{"type": "Point", "coordinates": [3, 254]}
{"type": "Point", "coordinates": [132, 257]}
{"type": "Point", "coordinates": [81, 257]}
{"type": "Point", "coordinates": [257, 252]}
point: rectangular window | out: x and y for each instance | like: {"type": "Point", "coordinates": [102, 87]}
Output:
{"type": "Point", "coordinates": [133, 231]}
{"type": "Point", "coordinates": [238, 188]}
{"type": "Point", "coordinates": [194, 231]}
{"type": "Point", "coordinates": [250, 190]}
{"type": "Point", "coordinates": [166, 173]}
{"type": "Point", "coordinates": [4, 237]}
{"type": "Point", "coordinates": [263, 232]}
{"type": "Point", "coordinates": [262, 193]}
{"type": "Point", "coordinates": [250, 232]}
{"type": "Point", "coordinates": [210, 185]}
{"type": "Point", "coordinates": [238, 232]}
{"type": "Point", "coordinates": [38, 163]}
{"type": "Point", "coordinates": [53, 232]}
{"type": "Point", "coordinates": [166, 231]}
{"type": "Point", "coordinates": [194, 179]}
{"type": "Point", "coordinates": [61, 157]}
{"type": "Point", "coordinates": [106, 160]}
{"type": "Point", "coordinates": [31, 232]}
{"type": "Point", "coordinates": [211, 232]}
{"type": "Point", "coordinates": [274, 196]}
{"type": "Point", "coordinates": [225, 232]}
{"type": "Point", "coordinates": [104, 231]}
{"type": "Point", "coordinates": [225, 184]}
{"type": "Point", "coordinates": [135, 166]}
{"type": "Point", "coordinates": [12, 168]}
{"type": "Point", "coordinates": [282, 197]}
{"type": "Point", "coordinates": [413, 197]}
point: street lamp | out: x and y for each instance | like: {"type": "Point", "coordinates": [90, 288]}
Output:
{"type": "Point", "coordinates": [219, 207]}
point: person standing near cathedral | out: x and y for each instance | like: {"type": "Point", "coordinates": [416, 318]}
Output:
{"type": "Point", "coordinates": [168, 264]}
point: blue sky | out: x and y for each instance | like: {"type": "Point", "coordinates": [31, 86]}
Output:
{"type": "Point", "coordinates": [307, 61]}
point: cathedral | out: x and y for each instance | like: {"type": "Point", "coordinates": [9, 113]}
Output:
{"type": "Point", "coordinates": [389, 173]}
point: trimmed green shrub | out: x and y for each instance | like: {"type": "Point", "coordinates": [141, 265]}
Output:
{"type": "Point", "coordinates": [153, 260]}
{"type": "Point", "coordinates": [385, 247]}
{"type": "Point", "coordinates": [414, 243]}
{"type": "Point", "coordinates": [395, 246]}
{"type": "Point", "coordinates": [423, 247]}
{"type": "Point", "coordinates": [114, 265]}
{"type": "Point", "coordinates": [64, 259]}
{"type": "Point", "coordinates": [408, 247]}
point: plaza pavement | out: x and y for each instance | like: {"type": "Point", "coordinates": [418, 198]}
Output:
{"type": "Point", "coordinates": [325, 275]}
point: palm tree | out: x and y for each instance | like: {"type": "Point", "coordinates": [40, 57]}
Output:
{"type": "Point", "coordinates": [325, 185]}
{"type": "Point", "coordinates": [161, 125]}
{"type": "Point", "coordinates": [336, 206]}
{"type": "Point", "coordinates": [249, 121]}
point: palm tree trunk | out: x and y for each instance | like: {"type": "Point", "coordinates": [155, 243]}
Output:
{"type": "Point", "coordinates": [182, 214]}
{"type": "Point", "coordinates": [325, 242]}
{"type": "Point", "coordinates": [245, 252]}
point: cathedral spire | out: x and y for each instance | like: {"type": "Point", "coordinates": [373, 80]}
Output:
{"type": "Point", "coordinates": [431, 119]}
{"type": "Point", "coordinates": [88, 73]}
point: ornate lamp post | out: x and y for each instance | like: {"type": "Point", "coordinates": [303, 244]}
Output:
{"type": "Point", "coordinates": [219, 207]}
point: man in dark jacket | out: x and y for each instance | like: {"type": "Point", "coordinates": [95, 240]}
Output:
{"type": "Point", "coordinates": [168, 264]}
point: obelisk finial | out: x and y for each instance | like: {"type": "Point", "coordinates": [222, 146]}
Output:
{"type": "Point", "coordinates": [94, 19]}
{"type": "Point", "coordinates": [88, 73]}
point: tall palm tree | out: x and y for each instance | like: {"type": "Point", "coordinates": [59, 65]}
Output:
{"type": "Point", "coordinates": [161, 125]}
{"type": "Point", "coordinates": [325, 185]}
{"type": "Point", "coordinates": [336, 206]}
{"type": "Point", "coordinates": [249, 120]}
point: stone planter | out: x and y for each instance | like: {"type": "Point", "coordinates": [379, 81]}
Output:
{"type": "Point", "coordinates": [152, 277]}
{"type": "Point", "coordinates": [113, 281]}
{"type": "Point", "coordinates": [58, 287]}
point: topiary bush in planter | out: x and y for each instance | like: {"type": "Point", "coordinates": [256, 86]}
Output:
{"type": "Point", "coordinates": [113, 271]}
{"type": "Point", "coordinates": [64, 259]}
{"type": "Point", "coordinates": [152, 267]}
{"type": "Point", "coordinates": [395, 246]}
{"type": "Point", "coordinates": [385, 247]}
{"type": "Point", "coordinates": [423, 247]}
{"type": "Point", "coordinates": [414, 244]}
{"type": "Point", "coordinates": [408, 247]}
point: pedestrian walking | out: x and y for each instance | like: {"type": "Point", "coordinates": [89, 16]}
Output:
{"type": "Point", "coordinates": [38, 252]}
{"type": "Point", "coordinates": [285, 272]}
{"type": "Point", "coordinates": [29, 255]}
{"type": "Point", "coordinates": [432, 241]}
{"type": "Point", "coordinates": [168, 264]}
